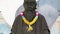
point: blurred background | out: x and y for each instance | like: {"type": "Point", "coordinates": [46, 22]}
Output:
{"type": "Point", "coordinates": [9, 9]}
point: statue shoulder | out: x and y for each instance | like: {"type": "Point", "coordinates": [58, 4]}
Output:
{"type": "Point", "coordinates": [41, 16]}
{"type": "Point", "coordinates": [18, 17]}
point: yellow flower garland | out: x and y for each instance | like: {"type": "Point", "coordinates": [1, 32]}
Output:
{"type": "Point", "coordinates": [30, 23]}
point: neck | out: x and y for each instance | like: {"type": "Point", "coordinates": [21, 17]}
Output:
{"type": "Point", "coordinates": [31, 13]}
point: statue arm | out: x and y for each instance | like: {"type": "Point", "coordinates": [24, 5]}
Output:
{"type": "Point", "coordinates": [45, 29]}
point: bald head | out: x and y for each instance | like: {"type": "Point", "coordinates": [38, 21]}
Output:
{"type": "Point", "coordinates": [29, 0]}
{"type": "Point", "coordinates": [30, 5]}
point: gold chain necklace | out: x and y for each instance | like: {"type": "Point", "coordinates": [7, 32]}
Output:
{"type": "Point", "coordinates": [29, 23]}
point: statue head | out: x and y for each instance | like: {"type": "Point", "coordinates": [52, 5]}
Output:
{"type": "Point", "coordinates": [30, 5]}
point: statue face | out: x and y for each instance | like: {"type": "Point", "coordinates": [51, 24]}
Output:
{"type": "Point", "coordinates": [30, 5]}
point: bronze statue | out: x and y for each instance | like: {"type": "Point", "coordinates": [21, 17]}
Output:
{"type": "Point", "coordinates": [30, 21]}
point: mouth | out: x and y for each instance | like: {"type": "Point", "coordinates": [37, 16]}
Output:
{"type": "Point", "coordinates": [30, 8]}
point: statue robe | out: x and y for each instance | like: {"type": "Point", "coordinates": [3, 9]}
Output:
{"type": "Point", "coordinates": [40, 27]}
